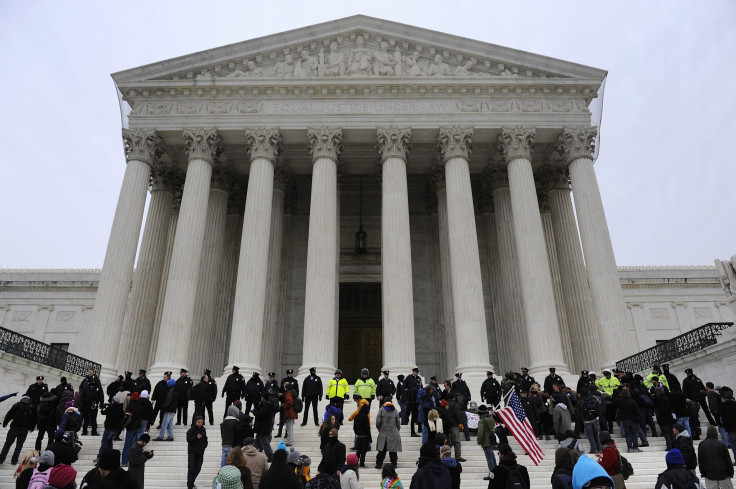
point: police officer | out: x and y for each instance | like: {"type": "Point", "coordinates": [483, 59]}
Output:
{"type": "Point", "coordinates": [252, 392]}
{"type": "Point", "coordinates": [91, 396]}
{"type": "Point", "coordinates": [35, 391]}
{"type": "Point", "coordinates": [551, 379]}
{"type": "Point", "coordinates": [211, 395]}
{"type": "Point", "coordinates": [311, 394]}
{"type": "Point", "coordinates": [142, 383]}
{"type": "Point", "coordinates": [526, 380]}
{"type": "Point", "coordinates": [462, 395]}
{"type": "Point", "coordinates": [365, 387]}
{"type": "Point", "coordinates": [490, 391]}
{"type": "Point", "coordinates": [412, 383]}
{"type": "Point", "coordinates": [288, 383]}
{"type": "Point", "coordinates": [234, 388]}
{"type": "Point", "coordinates": [433, 382]}
{"type": "Point", "coordinates": [181, 388]}
{"type": "Point", "coordinates": [385, 387]}
{"type": "Point", "coordinates": [694, 390]}
{"type": "Point", "coordinates": [337, 389]}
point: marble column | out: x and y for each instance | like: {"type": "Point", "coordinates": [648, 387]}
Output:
{"type": "Point", "coordinates": [514, 333]}
{"type": "Point", "coordinates": [540, 316]}
{"type": "Point", "coordinates": [177, 316]}
{"type": "Point", "coordinates": [205, 312]}
{"type": "Point", "coordinates": [584, 337]}
{"type": "Point", "coordinates": [320, 322]}
{"type": "Point", "coordinates": [576, 147]}
{"type": "Point", "coordinates": [454, 146]}
{"type": "Point", "coordinates": [138, 326]}
{"type": "Point", "coordinates": [246, 335]}
{"type": "Point", "coordinates": [396, 287]}
{"type": "Point", "coordinates": [142, 148]}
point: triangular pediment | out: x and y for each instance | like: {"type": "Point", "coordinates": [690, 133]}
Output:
{"type": "Point", "coordinates": [353, 48]}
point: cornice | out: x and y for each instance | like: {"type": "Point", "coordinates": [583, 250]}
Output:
{"type": "Point", "coordinates": [626, 268]}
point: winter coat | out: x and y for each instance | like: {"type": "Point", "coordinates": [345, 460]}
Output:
{"type": "Point", "coordinates": [561, 419]}
{"type": "Point", "coordinates": [503, 470]}
{"type": "Point", "coordinates": [182, 386]}
{"type": "Point", "coordinates": [245, 477]}
{"type": "Point", "coordinates": [159, 392]}
{"type": "Point", "coordinates": [714, 401]}
{"type": "Point", "coordinates": [145, 410]}
{"type": "Point", "coordinates": [349, 480]}
{"type": "Point", "coordinates": [263, 419]}
{"type": "Point", "coordinates": [337, 388]}
{"type": "Point", "coordinates": [678, 405]}
{"type": "Point", "coordinates": [388, 424]}
{"type": "Point", "coordinates": [451, 417]}
{"type": "Point", "coordinates": [365, 388]}
{"type": "Point", "coordinates": [323, 482]}
{"type": "Point", "coordinates": [486, 428]}
{"type": "Point", "coordinates": [684, 443]}
{"type": "Point", "coordinates": [142, 384]}
{"type": "Point", "coordinates": [117, 479]}
{"type": "Point", "coordinates": [714, 460]}
{"type": "Point", "coordinates": [312, 386]}
{"type": "Point", "coordinates": [335, 451]}
{"type": "Point", "coordinates": [627, 409]}
{"type": "Point", "coordinates": [362, 424]}
{"type": "Point", "coordinates": [196, 445]}
{"type": "Point", "coordinates": [169, 397]}
{"type": "Point", "coordinates": [385, 387]}
{"type": "Point", "coordinates": [228, 429]}
{"type": "Point", "coordinates": [728, 415]}
{"type": "Point", "coordinates": [114, 387]}
{"type": "Point", "coordinates": [289, 384]}
{"type": "Point", "coordinates": [90, 391]}
{"type": "Point", "coordinates": [137, 459]}
{"type": "Point", "coordinates": [114, 416]}
{"type": "Point", "coordinates": [361, 403]}
{"type": "Point", "coordinates": [432, 475]}
{"type": "Point", "coordinates": [675, 477]}
{"type": "Point", "coordinates": [490, 391]}
{"type": "Point", "coordinates": [663, 409]}
{"type": "Point", "coordinates": [64, 453]}
{"type": "Point", "coordinates": [455, 470]}
{"type": "Point", "coordinates": [200, 393]}
{"type": "Point", "coordinates": [35, 391]}
{"type": "Point", "coordinates": [411, 384]}
{"type": "Point", "coordinates": [288, 406]}
{"type": "Point", "coordinates": [252, 389]}
{"type": "Point", "coordinates": [22, 414]}
{"type": "Point", "coordinates": [693, 388]}
{"type": "Point", "coordinates": [291, 483]}
{"type": "Point", "coordinates": [256, 462]}
{"type": "Point", "coordinates": [558, 474]}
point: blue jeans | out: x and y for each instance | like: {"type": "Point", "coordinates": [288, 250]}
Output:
{"type": "Point", "coordinates": [131, 436]}
{"type": "Point", "coordinates": [403, 413]}
{"type": "Point", "coordinates": [425, 433]}
{"type": "Point", "coordinates": [107, 437]}
{"type": "Point", "coordinates": [225, 452]}
{"type": "Point", "coordinates": [631, 430]}
{"type": "Point", "coordinates": [490, 458]}
{"type": "Point", "coordinates": [686, 423]}
{"type": "Point", "coordinates": [725, 438]}
{"type": "Point", "coordinates": [591, 431]}
{"type": "Point", "coordinates": [167, 425]}
{"type": "Point", "coordinates": [144, 425]}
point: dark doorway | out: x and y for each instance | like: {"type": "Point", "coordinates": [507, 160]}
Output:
{"type": "Point", "coordinates": [361, 338]}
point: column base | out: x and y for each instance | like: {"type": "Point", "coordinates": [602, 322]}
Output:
{"type": "Point", "coordinates": [474, 376]}
{"type": "Point", "coordinates": [157, 370]}
{"type": "Point", "coordinates": [325, 372]}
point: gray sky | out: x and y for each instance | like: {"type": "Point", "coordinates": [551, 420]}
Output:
{"type": "Point", "coordinates": [665, 168]}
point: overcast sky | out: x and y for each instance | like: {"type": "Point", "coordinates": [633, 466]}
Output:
{"type": "Point", "coordinates": [666, 166]}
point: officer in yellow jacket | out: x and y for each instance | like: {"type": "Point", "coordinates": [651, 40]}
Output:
{"type": "Point", "coordinates": [608, 383]}
{"type": "Point", "coordinates": [656, 372]}
{"type": "Point", "coordinates": [338, 389]}
{"type": "Point", "coordinates": [365, 387]}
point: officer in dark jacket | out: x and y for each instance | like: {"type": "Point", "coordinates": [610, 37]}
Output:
{"type": "Point", "coordinates": [63, 386]}
{"type": "Point", "coordinates": [252, 392]}
{"type": "Point", "coordinates": [234, 388]}
{"type": "Point", "coordinates": [550, 380]}
{"type": "Point", "coordinates": [91, 396]}
{"type": "Point", "coordinates": [199, 394]}
{"type": "Point", "coordinates": [128, 383]}
{"type": "Point", "coordinates": [35, 391]}
{"type": "Point", "coordinates": [142, 383]}
{"type": "Point", "coordinates": [271, 383]}
{"type": "Point", "coordinates": [526, 380]}
{"type": "Point", "coordinates": [400, 397]}
{"type": "Point", "coordinates": [212, 395]}
{"type": "Point", "coordinates": [23, 417]}
{"type": "Point", "coordinates": [183, 384]}
{"type": "Point", "coordinates": [311, 394]}
{"type": "Point", "coordinates": [694, 390]}
{"type": "Point", "coordinates": [385, 386]}
{"type": "Point", "coordinates": [412, 384]}
{"type": "Point", "coordinates": [114, 387]}
{"type": "Point", "coordinates": [157, 398]}
{"type": "Point", "coordinates": [490, 391]}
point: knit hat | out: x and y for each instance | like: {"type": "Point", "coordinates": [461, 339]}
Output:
{"type": "Point", "coordinates": [443, 403]}
{"type": "Point", "coordinates": [47, 458]}
{"type": "Point", "coordinates": [304, 461]}
{"type": "Point", "coordinates": [197, 418]}
{"type": "Point", "coordinates": [228, 477]}
{"type": "Point", "coordinates": [144, 394]}
{"type": "Point", "coordinates": [679, 427]}
{"type": "Point", "coordinates": [712, 432]}
{"type": "Point", "coordinates": [428, 451]}
{"type": "Point", "coordinates": [109, 460]}
{"type": "Point", "coordinates": [293, 456]}
{"type": "Point", "coordinates": [248, 440]}
{"type": "Point", "coordinates": [61, 475]}
{"type": "Point", "coordinates": [135, 396]}
{"type": "Point", "coordinates": [674, 457]}
{"type": "Point", "coordinates": [281, 446]}
{"type": "Point", "coordinates": [352, 459]}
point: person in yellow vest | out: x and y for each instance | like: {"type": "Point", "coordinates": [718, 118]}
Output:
{"type": "Point", "coordinates": [365, 387]}
{"type": "Point", "coordinates": [607, 383]}
{"type": "Point", "coordinates": [656, 372]}
{"type": "Point", "coordinates": [338, 389]}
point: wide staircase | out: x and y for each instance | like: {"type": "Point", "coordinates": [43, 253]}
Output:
{"type": "Point", "coordinates": [168, 468]}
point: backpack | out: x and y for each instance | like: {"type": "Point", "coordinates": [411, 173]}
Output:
{"type": "Point", "coordinates": [298, 404]}
{"type": "Point", "coordinates": [646, 401]}
{"type": "Point", "coordinates": [170, 398]}
{"type": "Point", "coordinates": [590, 409]}
{"type": "Point", "coordinates": [624, 467]}
{"type": "Point", "coordinates": [565, 480]}
{"type": "Point", "coordinates": [514, 479]}
{"type": "Point", "coordinates": [39, 479]}
{"type": "Point", "coordinates": [46, 406]}
{"type": "Point", "coordinates": [692, 407]}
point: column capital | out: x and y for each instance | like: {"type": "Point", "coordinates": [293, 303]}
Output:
{"type": "Point", "coordinates": [576, 142]}
{"type": "Point", "coordinates": [393, 142]}
{"type": "Point", "coordinates": [168, 178]}
{"type": "Point", "coordinates": [516, 142]}
{"type": "Point", "coordinates": [223, 178]}
{"type": "Point", "coordinates": [455, 142]}
{"type": "Point", "coordinates": [324, 142]}
{"type": "Point", "coordinates": [554, 178]}
{"type": "Point", "coordinates": [143, 145]}
{"type": "Point", "coordinates": [437, 177]}
{"type": "Point", "coordinates": [498, 177]}
{"type": "Point", "coordinates": [281, 178]}
{"type": "Point", "coordinates": [543, 199]}
{"type": "Point", "coordinates": [203, 144]}
{"type": "Point", "coordinates": [264, 142]}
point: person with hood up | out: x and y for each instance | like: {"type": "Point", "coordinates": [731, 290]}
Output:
{"type": "Point", "coordinates": [228, 428]}
{"type": "Point", "coordinates": [335, 449]}
{"type": "Point", "coordinates": [508, 468]}
{"type": "Point", "coordinates": [715, 463]}
{"type": "Point", "coordinates": [22, 419]}
{"type": "Point", "coordinates": [228, 477]}
{"type": "Point", "coordinates": [40, 475]}
{"type": "Point", "coordinates": [590, 475]}
{"type": "Point", "coordinates": [430, 468]}
{"type": "Point", "coordinates": [562, 473]}
{"type": "Point", "coordinates": [334, 408]}
{"type": "Point", "coordinates": [684, 443]}
{"type": "Point", "coordinates": [349, 476]}
{"type": "Point", "coordinates": [168, 407]}
{"type": "Point", "coordinates": [362, 430]}
{"type": "Point", "coordinates": [62, 476]}
{"type": "Point", "coordinates": [137, 458]}
{"type": "Point", "coordinates": [561, 417]}
{"type": "Point", "coordinates": [63, 448]}
{"type": "Point", "coordinates": [254, 460]}
{"type": "Point", "coordinates": [326, 478]}
{"type": "Point", "coordinates": [452, 465]}
{"type": "Point", "coordinates": [113, 476]}
{"type": "Point", "coordinates": [46, 417]}
{"type": "Point", "coordinates": [389, 439]}
{"type": "Point", "coordinates": [676, 476]}
{"type": "Point", "coordinates": [196, 445]}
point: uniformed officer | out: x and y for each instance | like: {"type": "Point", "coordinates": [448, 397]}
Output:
{"type": "Point", "coordinates": [311, 394]}
{"type": "Point", "coordinates": [252, 392]}
{"type": "Point", "coordinates": [142, 383]}
{"type": "Point", "coordinates": [35, 391]}
{"type": "Point", "coordinates": [234, 388]}
{"type": "Point", "coordinates": [552, 378]}
{"type": "Point", "coordinates": [181, 388]}
{"type": "Point", "coordinates": [211, 395]}
{"type": "Point", "coordinates": [385, 387]}
{"type": "Point", "coordinates": [365, 387]}
{"type": "Point", "coordinates": [337, 389]}
{"type": "Point", "coordinates": [526, 380]}
{"type": "Point", "coordinates": [462, 395]}
{"type": "Point", "coordinates": [433, 382]}
{"type": "Point", "coordinates": [91, 396]}
{"type": "Point", "coordinates": [490, 391]}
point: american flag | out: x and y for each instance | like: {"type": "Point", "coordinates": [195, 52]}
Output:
{"type": "Point", "coordinates": [514, 417]}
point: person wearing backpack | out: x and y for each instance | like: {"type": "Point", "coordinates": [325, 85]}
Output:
{"type": "Point", "coordinates": [676, 476]}
{"type": "Point", "coordinates": [589, 408]}
{"type": "Point", "coordinates": [22, 419]}
{"type": "Point", "coordinates": [46, 417]}
{"type": "Point", "coordinates": [40, 476]}
{"type": "Point", "coordinates": [562, 474]}
{"type": "Point", "coordinates": [645, 403]}
{"type": "Point", "coordinates": [508, 474]}
{"type": "Point", "coordinates": [610, 460]}
{"type": "Point", "coordinates": [431, 473]}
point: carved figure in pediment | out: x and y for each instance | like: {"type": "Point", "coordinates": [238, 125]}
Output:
{"type": "Point", "coordinates": [411, 66]}
{"type": "Point", "coordinates": [306, 65]}
{"type": "Point", "coordinates": [332, 64]}
{"type": "Point", "coordinates": [360, 60]}
{"type": "Point", "coordinates": [384, 62]}
{"type": "Point", "coordinates": [464, 69]}
{"type": "Point", "coordinates": [284, 68]}
{"type": "Point", "coordinates": [204, 75]}
{"type": "Point", "coordinates": [508, 73]}
{"type": "Point", "coordinates": [439, 67]}
{"type": "Point", "coordinates": [252, 70]}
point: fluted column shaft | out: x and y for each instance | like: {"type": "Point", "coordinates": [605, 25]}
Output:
{"type": "Point", "coordinates": [576, 146]}
{"type": "Point", "coordinates": [540, 314]}
{"type": "Point", "coordinates": [320, 322]}
{"type": "Point", "coordinates": [177, 317]}
{"type": "Point", "coordinates": [581, 319]}
{"type": "Point", "coordinates": [396, 290]}
{"type": "Point", "coordinates": [137, 329]}
{"type": "Point", "coordinates": [246, 338]}
{"type": "Point", "coordinates": [171, 235]}
{"type": "Point", "coordinates": [446, 271]}
{"type": "Point", "coordinates": [142, 148]}
{"type": "Point", "coordinates": [467, 288]}
{"type": "Point", "coordinates": [273, 287]}
{"type": "Point", "coordinates": [494, 277]}
{"type": "Point", "coordinates": [207, 287]}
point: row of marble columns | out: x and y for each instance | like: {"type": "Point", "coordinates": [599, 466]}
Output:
{"type": "Point", "coordinates": [181, 290]}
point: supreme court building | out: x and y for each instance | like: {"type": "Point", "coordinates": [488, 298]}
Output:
{"type": "Point", "coordinates": [360, 193]}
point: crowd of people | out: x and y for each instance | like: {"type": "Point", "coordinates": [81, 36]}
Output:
{"type": "Point", "coordinates": [657, 403]}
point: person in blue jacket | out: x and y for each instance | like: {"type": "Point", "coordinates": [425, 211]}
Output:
{"type": "Point", "coordinates": [588, 470]}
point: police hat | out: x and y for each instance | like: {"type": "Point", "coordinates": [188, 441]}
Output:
{"type": "Point", "coordinates": [489, 373]}
{"type": "Point", "coordinates": [524, 369]}
{"type": "Point", "coordinates": [458, 375]}
{"type": "Point", "coordinates": [434, 377]}
{"type": "Point", "coordinates": [656, 367]}
{"type": "Point", "coordinates": [338, 371]}
{"type": "Point", "coordinates": [385, 372]}
{"type": "Point", "coordinates": [583, 372]}
{"type": "Point", "coordinates": [168, 372]}
{"type": "Point", "coordinates": [312, 370]}
{"type": "Point", "coordinates": [688, 370]}
{"type": "Point", "coordinates": [141, 371]}
{"type": "Point", "coordinates": [290, 371]}
{"type": "Point", "coordinates": [40, 377]}
{"type": "Point", "coordinates": [236, 368]}
{"type": "Point", "coordinates": [551, 369]}
{"type": "Point", "coordinates": [415, 369]}
{"type": "Point", "coordinates": [208, 372]}
{"type": "Point", "coordinates": [271, 374]}
{"type": "Point", "coordinates": [183, 371]}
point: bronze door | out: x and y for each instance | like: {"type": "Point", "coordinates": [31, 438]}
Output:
{"type": "Point", "coordinates": [361, 337]}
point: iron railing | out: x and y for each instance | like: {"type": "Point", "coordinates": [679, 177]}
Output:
{"type": "Point", "coordinates": [37, 351]}
{"type": "Point", "coordinates": [679, 346]}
